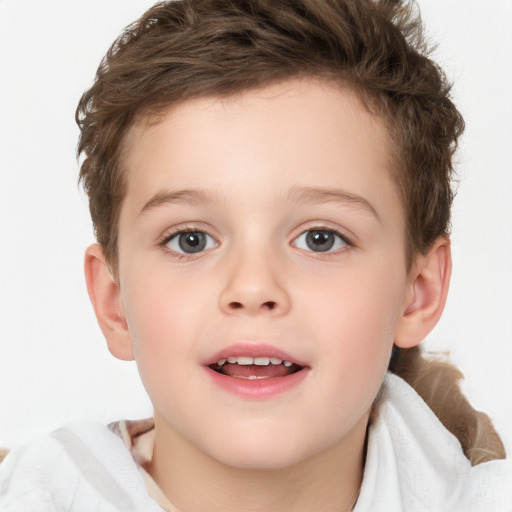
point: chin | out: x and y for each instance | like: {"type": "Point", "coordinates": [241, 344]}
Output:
{"type": "Point", "coordinates": [260, 461]}
{"type": "Point", "coordinates": [269, 450]}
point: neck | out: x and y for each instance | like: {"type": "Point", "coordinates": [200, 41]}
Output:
{"type": "Point", "coordinates": [192, 480]}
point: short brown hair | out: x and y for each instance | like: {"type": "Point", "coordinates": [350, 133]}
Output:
{"type": "Point", "coordinates": [190, 48]}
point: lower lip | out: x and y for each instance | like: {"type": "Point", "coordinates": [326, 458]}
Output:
{"type": "Point", "coordinates": [257, 388]}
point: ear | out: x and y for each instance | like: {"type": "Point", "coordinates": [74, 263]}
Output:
{"type": "Point", "coordinates": [107, 303]}
{"type": "Point", "coordinates": [428, 289]}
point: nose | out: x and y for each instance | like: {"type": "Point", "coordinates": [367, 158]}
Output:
{"type": "Point", "coordinates": [255, 285]}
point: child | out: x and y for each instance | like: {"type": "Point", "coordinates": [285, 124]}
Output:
{"type": "Point", "coordinates": [270, 187]}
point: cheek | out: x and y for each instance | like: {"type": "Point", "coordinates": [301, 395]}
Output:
{"type": "Point", "coordinates": [156, 306]}
{"type": "Point", "coordinates": [161, 339]}
{"type": "Point", "coordinates": [355, 301]}
{"type": "Point", "coordinates": [354, 329]}
{"type": "Point", "coordinates": [354, 320]}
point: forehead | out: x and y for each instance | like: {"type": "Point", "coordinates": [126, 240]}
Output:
{"type": "Point", "coordinates": [299, 132]}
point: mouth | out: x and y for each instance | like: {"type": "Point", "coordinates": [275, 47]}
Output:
{"type": "Point", "coordinates": [255, 368]}
{"type": "Point", "coordinates": [255, 371]}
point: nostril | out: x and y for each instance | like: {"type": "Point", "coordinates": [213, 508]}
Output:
{"type": "Point", "coordinates": [269, 305]}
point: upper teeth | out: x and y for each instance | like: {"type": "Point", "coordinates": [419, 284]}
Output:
{"type": "Point", "coordinates": [258, 361]}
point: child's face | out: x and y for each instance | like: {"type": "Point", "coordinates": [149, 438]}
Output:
{"type": "Point", "coordinates": [263, 181]}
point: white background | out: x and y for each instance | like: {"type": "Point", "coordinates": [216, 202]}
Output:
{"type": "Point", "coordinates": [54, 365]}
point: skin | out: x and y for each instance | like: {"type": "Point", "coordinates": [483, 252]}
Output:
{"type": "Point", "coordinates": [255, 158]}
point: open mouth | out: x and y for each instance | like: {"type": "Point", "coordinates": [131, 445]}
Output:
{"type": "Point", "coordinates": [255, 368]}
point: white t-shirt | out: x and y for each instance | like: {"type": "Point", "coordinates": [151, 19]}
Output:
{"type": "Point", "coordinates": [413, 465]}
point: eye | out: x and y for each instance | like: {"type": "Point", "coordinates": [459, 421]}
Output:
{"type": "Point", "coordinates": [190, 242]}
{"type": "Point", "coordinates": [320, 240]}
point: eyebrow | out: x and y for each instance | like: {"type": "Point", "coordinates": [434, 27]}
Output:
{"type": "Point", "coordinates": [187, 196]}
{"type": "Point", "coordinates": [295, 195]}
{"type": "Point", "coordinates": [326, 195]}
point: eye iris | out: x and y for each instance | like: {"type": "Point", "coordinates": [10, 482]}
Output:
{"type": "Point", "coordinates": [320, 240]}
{"type": "Point", "coordinates": [192, 241]}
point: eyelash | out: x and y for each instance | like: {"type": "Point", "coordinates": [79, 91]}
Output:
{"type": "Point", "coordinates": [188, 256]}
{"type": "Point", "coordinates": [179, 255]}
{"type": "Point", "coordinates": [328, 253]}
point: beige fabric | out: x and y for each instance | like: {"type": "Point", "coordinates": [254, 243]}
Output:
{"type": "Point", "coordinates": [3, 454]}
{"type": "Point", "coordinates": [139, 438]}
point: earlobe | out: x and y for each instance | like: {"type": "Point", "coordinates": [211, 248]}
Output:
{"type": "Point", "coordinates": [106, 300]}
{"type": "Point", "coordinates": [428, 289]}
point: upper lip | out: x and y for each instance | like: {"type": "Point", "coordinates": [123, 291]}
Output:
{"type": "Point", "coordinates": [253, 350]}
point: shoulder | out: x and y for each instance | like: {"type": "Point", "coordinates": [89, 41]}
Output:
{"type": "Point", "coordinates": [415, 464]}
{"type": "Point", "coordinates": [84, 466]}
